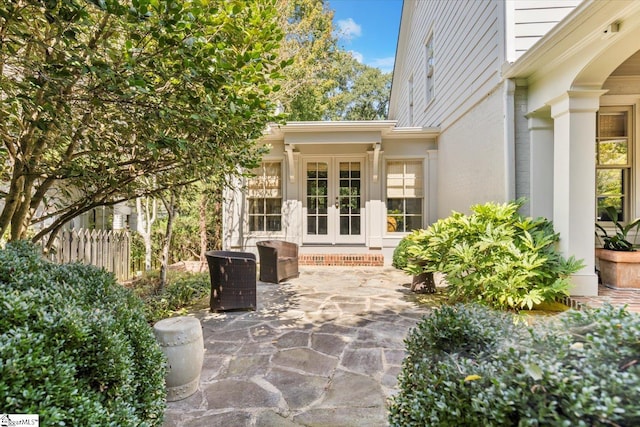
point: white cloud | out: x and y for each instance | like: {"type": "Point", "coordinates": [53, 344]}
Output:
{"type": "Point", "coordinates": [357, 56]}
{"type": "Point", "coordinates": [348, 29]}
{"type": "Point", "coordinates": [385, 64]}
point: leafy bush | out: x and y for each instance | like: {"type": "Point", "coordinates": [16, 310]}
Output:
{"type": "Point", "coordinates": [75, 347]}
{"type": "Point", "coordinates": [182, 290]}
{"type": "Point", "coordinates": [470, 366]}
{"type": "Point", "coordinates": [620, 240]}
{"type": "Point", "coordinates": [400, 258]}
{"type": "Point", "coordinates": [494, 256]}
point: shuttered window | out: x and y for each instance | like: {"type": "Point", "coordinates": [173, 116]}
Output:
{"type": "Point", "coordinates": [264, 194]}
{"type": "Point", "coordinates": [405, 183]}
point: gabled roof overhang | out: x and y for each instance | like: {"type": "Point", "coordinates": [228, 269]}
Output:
{"type": "Point", "coordinates": [367, 133]}
{"type": "Point", "coordinates": [579, 53]}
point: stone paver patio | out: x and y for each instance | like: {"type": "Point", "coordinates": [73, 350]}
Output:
{"type": "Point", "coordinates": [324, 349]}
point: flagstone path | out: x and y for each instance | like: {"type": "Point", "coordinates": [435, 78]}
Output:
{"type": "Point", "coordinates": [324, 349]}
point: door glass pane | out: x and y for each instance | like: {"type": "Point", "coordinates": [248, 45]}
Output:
{"type": "Point", "coordinates": [322, 225]}
{"type": "Point", "coordinates": [350, 198]}
{"type": "Point", "coordinates": [355, 225]}
{"type": "Point", "coordinates": [317, 197]}
{"type": "Point", "coordinates": [311, 226]}
{"type": "Point", "coordinates": [323, 170]}
{"type": "Point", "coordinates": [344, 225]}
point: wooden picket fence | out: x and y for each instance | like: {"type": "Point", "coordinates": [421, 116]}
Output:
{"type": "Point", "coordinates": [103, 248]}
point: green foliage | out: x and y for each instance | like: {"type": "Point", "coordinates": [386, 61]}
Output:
{"type": "Point", "coordinates": [495, 256]}
{"type": "Point", "coordinates": [310, 45]}
{"type": "Point", "coordinates": [74, 345]}
{"type": "Point", "coordinates": [401, 252]}
{"type": "Point", "coordinates": [181, 291]}
{"type": "Point", "coordinates": [99, 95]}
{"type": "Point", "coordinates": [620, 240]}
{"type": "Point", "coordinates": [361, 93]}
{"type": "Point", "coordinates": [470, 366]}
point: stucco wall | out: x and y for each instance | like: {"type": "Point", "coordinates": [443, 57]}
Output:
{"type": "Point", "coordinates": [471, 155]}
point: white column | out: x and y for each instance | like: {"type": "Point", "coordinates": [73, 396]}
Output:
{"type": "Point", "coordinates": [292, 209]}
{"type": "Point", "coordinates": [574, 132]}
{"type": "Point", "coordinates": [541, 166]}
{"type": "Point", "coordinates": [432, 187]}
{"type": "Point", "coordinates": [376, 210]}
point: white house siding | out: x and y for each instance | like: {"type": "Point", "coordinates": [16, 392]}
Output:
{"type": "Point", "coordinates": [469, 101]}
{"type": "Point", "coordinates": [532, 19]}
{"type": "Point", "coordinates": [467, 57]}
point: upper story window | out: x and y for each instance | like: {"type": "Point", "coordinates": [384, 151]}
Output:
{"type": "Point", "coordinates": [265, 198]}
{"type": "Point", "coordinates": [614, 142]}
{"type": "Point", "coordinates": [404, 195]}
{"type": "Point", "coordinates": [429, 62]}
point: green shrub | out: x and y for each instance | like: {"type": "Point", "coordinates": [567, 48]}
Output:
{"type": "Point", "coordinates": [183, 289]}
{"type": "Point", "coordinates": [400, 258]}
{"type": "Point", "coordinates": [471, 366]}
{"type": "Point", "coordinates": [495, 256]}
{"type": "Point", "coordinates": [75, 347]}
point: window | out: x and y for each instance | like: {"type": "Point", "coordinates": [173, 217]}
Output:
{"type": "Point", "coordinates": [404, 195]}
{"type": "Point", "coordinates": [613, 161]}
{"type": "Point", "coordinates": [265, 198]}
{"type": "Point", "coordinates": [429, 62]}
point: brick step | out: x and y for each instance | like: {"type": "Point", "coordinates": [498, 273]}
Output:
{"type": "Point", "coordinates": [347, 260]}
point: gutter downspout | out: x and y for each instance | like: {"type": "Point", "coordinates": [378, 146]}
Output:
{"type": "Point", "coordinates": [509, 139]}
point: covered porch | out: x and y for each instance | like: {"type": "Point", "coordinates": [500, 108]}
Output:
{"type": "Point", "coordinates": [581, 85]}
{"type": "Point", "coordinates": [345, 192]}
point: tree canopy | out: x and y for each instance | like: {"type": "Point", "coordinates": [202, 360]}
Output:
{"type": "Point", "coordinates": [361, 92]}
{"type": "Point", "coordinates": [325, 82]}
{"type": "Point", "coordinates": [310, 43]}
{"type": "Point", "coordinates": [95, 95]}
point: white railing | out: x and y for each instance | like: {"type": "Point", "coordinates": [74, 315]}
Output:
{"type": "Point", "coordinates": [103, 248]}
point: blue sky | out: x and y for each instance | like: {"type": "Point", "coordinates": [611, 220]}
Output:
{"type": "Point", "coordinates": [369, 29]}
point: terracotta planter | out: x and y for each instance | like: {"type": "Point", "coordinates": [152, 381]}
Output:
{"type": "Point", "coordinates": [619, 269]}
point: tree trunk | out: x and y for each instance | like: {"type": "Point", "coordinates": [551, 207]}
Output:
{"type": "Point", "coordinates": [203, 225]}
{"type": "Point", "coordinates": [146, 217]}
{"type": "Point", "coordinates": [170, 206]}
{"type": "Point", "coordinates": [217, 218]}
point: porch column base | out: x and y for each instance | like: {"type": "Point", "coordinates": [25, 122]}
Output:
{"type": "Point", "coordinates": [584, 285]}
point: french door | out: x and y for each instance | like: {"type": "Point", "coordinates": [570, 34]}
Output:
{"type": "Point", "coordinates": [333, 200]}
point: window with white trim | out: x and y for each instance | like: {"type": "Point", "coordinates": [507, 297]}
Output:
{"type": "Point", "coordinates": [614, 142]}
{"type": "Point", "coordinates": [429, 63]}
{"type": "Point", "coordinates": [404, 195]}
{"type": "Point", "coordinates": [264, 194]}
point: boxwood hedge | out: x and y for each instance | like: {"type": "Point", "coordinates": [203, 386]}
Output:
{"type": "Point", "coordinates": [471, 366]}
{"type": "Point", "coordinates": [74, 345]}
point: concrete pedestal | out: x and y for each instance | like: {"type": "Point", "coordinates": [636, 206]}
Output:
{"type": "Point", "coordinates": [182, 344]}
